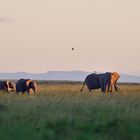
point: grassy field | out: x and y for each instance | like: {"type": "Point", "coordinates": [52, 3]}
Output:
{"type": "Point", "coordinates": [60, 112]}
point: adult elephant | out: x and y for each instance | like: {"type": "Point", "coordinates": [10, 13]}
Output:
{"type": "Point", "coordinates": [7, 85]}
{"type": "Point", "coordinates": [25, 85]}
{"type": "Point", "coordinates": [96, 81]}
{"type": "Point", "coordinates": [114, 78]}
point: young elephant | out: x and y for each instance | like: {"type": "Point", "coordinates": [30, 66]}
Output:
{"type": "Point", "coordinates": [24, 85]}
{"type": "Point", "coordinates": [96, 81]}
{"type": "Point", "coordinates": [7, 86]}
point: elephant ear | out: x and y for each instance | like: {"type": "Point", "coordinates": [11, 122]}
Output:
{"type": "Point", "coordinates": [12, 86]}
{"type": "Point", "coordinates": [115, 76]}
{"type": "Point", "coordinates": [7, 85]}
{"type": "Point", "coordinates": [28, 82]}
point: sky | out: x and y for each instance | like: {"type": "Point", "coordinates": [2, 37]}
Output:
{"type": "Point", "coordinates": [38, 35]}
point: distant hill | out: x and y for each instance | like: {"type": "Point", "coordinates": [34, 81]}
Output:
{"type": "Point", "coordinates": [63, 75]}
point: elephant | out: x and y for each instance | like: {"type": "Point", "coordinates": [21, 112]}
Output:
{"type": "Point", "coordinates": [114, 78]}
{"type": "Point", "coordinates": [24, 85]}
{"type": "Point", "coordinates": [96, 81]}
{"type": "Point", "coordinates": [7, 85]}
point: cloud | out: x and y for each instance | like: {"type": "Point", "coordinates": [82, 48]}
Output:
{"type": "Point", "coordinates": [6, 20]}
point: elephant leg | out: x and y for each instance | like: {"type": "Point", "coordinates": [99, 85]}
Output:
{"type": "Point", "coordinates": [110, 88]}
{"type": "Point", "coordinates": [103, 89]}
{"type": "Point", "coordinates": [22, 93]}
{"type": "Point", "coordinates": [17, 91]}
{"type": "Point", "coordinates": [28, 91]}
{"type": "Point", "coordinates": [116, 88]}
{"type": "Point", "coordinates": [89, 90]}
{"type": "Point", "coordinates": [105, 85]}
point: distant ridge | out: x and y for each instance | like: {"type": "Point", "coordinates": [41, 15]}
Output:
{"type": "Point", "coordinates": [62, 75]}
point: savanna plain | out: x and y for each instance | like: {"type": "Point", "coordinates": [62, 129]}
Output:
{"type": "Point", "coordinates": [59, 111]}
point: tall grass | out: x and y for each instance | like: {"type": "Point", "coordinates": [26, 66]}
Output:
{"type": "Point", "coordinates": [60, 111]}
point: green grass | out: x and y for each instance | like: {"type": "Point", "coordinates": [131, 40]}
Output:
{"type": "Point", "coordinates": [61, 112]}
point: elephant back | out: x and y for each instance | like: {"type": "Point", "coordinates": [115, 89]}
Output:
{"type": "Point", "coordinates": [92, 81]}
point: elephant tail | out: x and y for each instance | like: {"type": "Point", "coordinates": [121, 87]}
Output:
{"type": "Point", "coordinates": [83, 86]}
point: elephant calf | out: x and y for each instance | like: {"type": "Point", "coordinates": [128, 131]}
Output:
{"type": "Point", "coordinates": [7, 86]}
{"type": "Point", "coordinates": [24, 85]}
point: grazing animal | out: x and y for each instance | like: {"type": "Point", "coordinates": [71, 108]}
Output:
{"type": "Point", "coordinates": [24, 85]}
{"type": "Point", "coordinates": [96, 81]}
{"type": "Point", "coordinates": [7, 86]}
